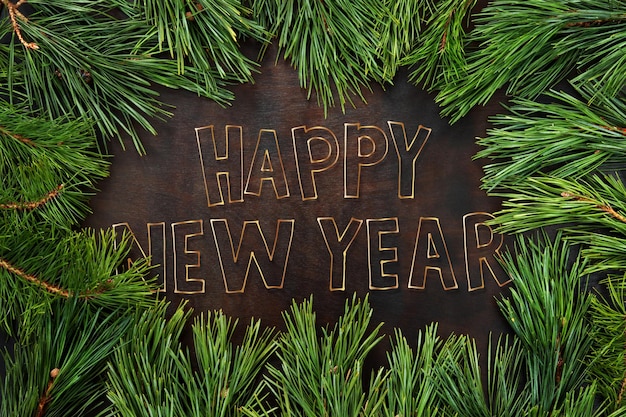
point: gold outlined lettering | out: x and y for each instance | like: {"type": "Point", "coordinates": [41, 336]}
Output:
{"type": "Point", "coordinates": [430, 228]}
{"type": "Point", "coordinates": [407, 155]}
{"type": "Point", "coordinates": [338, 248]}
{"type": "Point", "coordinates": [262, 167]}
{"type": "Point", "coordinates": [279, 254]}
{"type": "Point", "coordinates": [377, 229]}
{"type": "Point", "coordinates": [190, 285]}
{"type": "Point", "coordinates": [155, 251]}
{"type": "Point", "coordinates": [483, 251]}
{"type": "Point", "coordinates": [228, 155]}
{"type": "Point", "coordinates": [368, 146]}
{"type": "Point", "coordinates": [308, 158]}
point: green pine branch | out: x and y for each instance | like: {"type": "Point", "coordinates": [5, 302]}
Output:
{"type": "Point", "coordinates": [593, 202]}
{"type": "Point", "coordinates": [48, 169]}
{"type": "Point", "coordinates": [323, 375]}
{"type": "Point", "coordinates": [152, 374]}
{"type": "Point", "coordinates": [410, 384]}
{"type": "Point", "coordinates": [59, 370]}
{"type": "Point", "coordinates": [568, 137]}
{"type": "Point", "coordinates": [332, 44]}
{"type": "Point", "coordinates": [528, 47]}
{"type": "Point", "coordinates": [88, 63]}
{"type": "Point", "coordinates": [38, 266]}
{"type": "Point", "coordinates": [547, 311]}
{"type": "Point", "coordinates": [440, 56]}
{"type": "Point", "coordinates": [205, 34]}
{"type": "Point", "coordinates": [399, 31]}
{"type": "Point", "coordinates": [460, 386]}
{"type": "Point", "coordinates": [609, 343]}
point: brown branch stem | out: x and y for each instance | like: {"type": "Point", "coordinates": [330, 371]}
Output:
{"type": "Point", "coordinates": [45, 398]}
{"type": "Point", "coordinates": [604, 207]}
{"type": "Point", "coordinates": [14, 14]}
{"type": "Point", "coordinates": [31, 205]}
{"type": "Point", "coordinates": [622, 130]}
{"type": "Point", "coordinates": [596, 22]}
{"type": "Point", "coordinates": [33, 279]}
{"type": "Point", "coordinates": [621, 391]}
{"type": "Point", "coordinates": [7, 132]}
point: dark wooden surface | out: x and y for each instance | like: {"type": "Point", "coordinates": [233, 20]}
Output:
{"type": "Point", "coordinates": [166, 189]}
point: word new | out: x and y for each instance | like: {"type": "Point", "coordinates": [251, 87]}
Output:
{"type": "Point", "coordinates": [267, 253]}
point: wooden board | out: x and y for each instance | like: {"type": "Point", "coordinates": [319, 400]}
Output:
{"type": "Point", "coordinates": [249, 207]}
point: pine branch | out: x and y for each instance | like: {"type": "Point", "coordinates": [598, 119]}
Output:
{"type": "Point", "coordinates": [440, 56]}
{"type": "Point", "coordinates": [546, 201]}
{"type": "Point", "coordinates": [567, 138]}
{"type": "Point", "coordinates": [608, 318]}
{"type": "Point", "coordinates": [228, 373]}
{"type": "Point", "coordinates": [219, 382]}
{"type": "Point", "coordinates": [323, 376]}
{"type": "Point", "coordinates": [460, 385]}
{"type": "Point", "coordinates": [205, 34]}
{"type": "Point", "coordinates": [58, 369]}
{"type": "Point", "coordinates": [528, 47]}
{"type": "Point", "coordinates": [547, 311]}
{"type": "Point", "coordinates": [48, 167]}
{"type": "Point", "coordinates": [31, 205]}
{"type": "Point", "coordinates": [602, 207]}
{"type": "Point", "coordinates": [39, 266]}
{"type": "Point", "coordinates": [14, 15]}
{"type": "Point", "coordinates": [53, 289]}
{"type": "Point", "coordinates": [399, 32]}
{"type": "Point", "coordinates": [332, 44]}
{"type": "Point", "coordinates": [410, 386]}
{"type": "Point", "coordinates": [45, 398]}
{"type": "Point", "coordinates": [144, 374]}
{"type": "Point", "coordinates": [91, 64]}
{"type": "Point", "coordinates": [458, 367]}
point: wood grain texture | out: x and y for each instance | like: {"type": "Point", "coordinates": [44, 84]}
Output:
{"type": "Point", "coordinates": [167, 187]}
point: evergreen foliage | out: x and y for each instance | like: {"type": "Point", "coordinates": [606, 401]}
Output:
{"type": "Point", "coordinates": [410, 384]}
{"type": "Point", "coordinates": [152, 374]}
{"type": "Point", "coordinates": [58, 371]}
{"type": "Point", "coordinates": [535, 44]}
{"type": "Point", "coordinates": [332, 44]}
{"type": "Point", "coordinates": [48, 168]}
{"type": "Point", "coordinates": [82, 60]}
{"type": "Point", "coordinates": [547, 311]}
{"type": "Point", "coordinates": [324, 375]}
{"type": "Point", "coordinates": [76, 71]}
{"type": "Point", "coordinates": [440, 56]}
